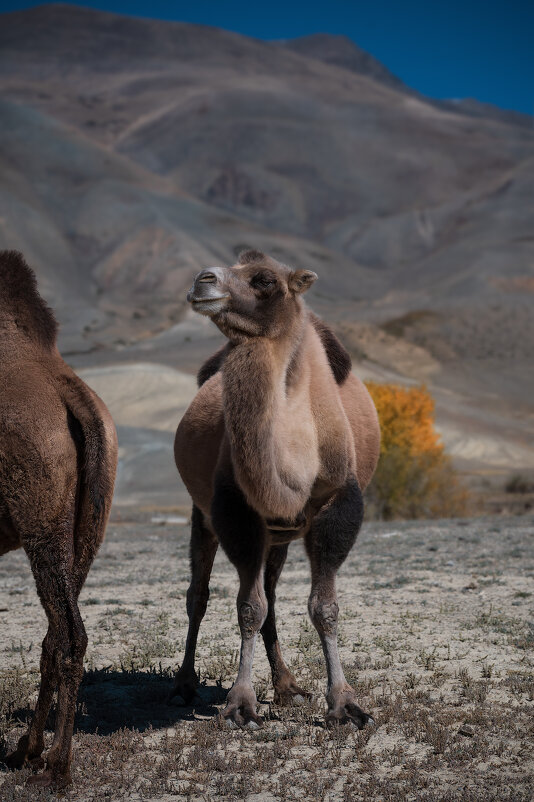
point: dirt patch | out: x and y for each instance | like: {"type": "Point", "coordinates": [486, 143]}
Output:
{"type": "Point", "coordinates": [436, 636]}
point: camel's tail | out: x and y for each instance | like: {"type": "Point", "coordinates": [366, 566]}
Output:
{"type": "Point", "coordinates": [94, 432]}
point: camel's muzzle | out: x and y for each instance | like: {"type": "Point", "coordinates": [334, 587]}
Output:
{"type": "Point", "coordinates": [206, 295]}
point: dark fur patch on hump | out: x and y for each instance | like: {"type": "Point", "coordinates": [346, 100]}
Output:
{"type": "Point", "coordinates": [20, 300]}
{"type": "Point", "coordinates": [247, 257]}
{"type": "Point", "coordinates": [338, 356]}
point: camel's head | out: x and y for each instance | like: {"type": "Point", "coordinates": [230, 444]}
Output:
{"type": "Point", "coordinates": [257, 297]}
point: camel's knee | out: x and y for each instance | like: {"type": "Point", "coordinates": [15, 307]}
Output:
{"type": "Point", "coordinates": [251, 614]}
{"type": "Point", "coordinates": [70, 654]}
{"type": "Point", "coordinates": [324, 614]}
{"type": "Point", "coordinates": [78, 649]}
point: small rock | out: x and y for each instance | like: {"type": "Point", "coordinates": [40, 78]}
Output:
{"type": "Point", "coordinates": [471, 586]}
{"type": "Point", "coordinates": [467, 731]}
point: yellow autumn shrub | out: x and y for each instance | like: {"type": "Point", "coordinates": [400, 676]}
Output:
{"type": "Point", "coordinates": [414, 477]}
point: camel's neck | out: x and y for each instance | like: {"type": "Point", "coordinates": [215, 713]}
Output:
{"type": "Point", "coordinates": [263, 385]}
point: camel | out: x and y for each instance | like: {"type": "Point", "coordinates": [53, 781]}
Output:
{"type": "Point", "coordinates": [278, 444]}
{"type": "Point", "coordinates": [58, 457]}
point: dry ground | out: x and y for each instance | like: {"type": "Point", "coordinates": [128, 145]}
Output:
{"type": "Point", "coordinates": [436, 635]}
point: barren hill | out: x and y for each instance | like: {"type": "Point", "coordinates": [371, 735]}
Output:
{"type": "Point", "coordinates": [133, 152]}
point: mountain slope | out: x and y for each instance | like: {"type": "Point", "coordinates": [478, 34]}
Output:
{"type": "Point", "coordinates": [134, 152]}
{"type": "Point", "coordinates": [342, 52]}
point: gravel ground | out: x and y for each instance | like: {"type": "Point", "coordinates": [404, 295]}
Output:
{"type": "Point", "coordinates": [436, 635]}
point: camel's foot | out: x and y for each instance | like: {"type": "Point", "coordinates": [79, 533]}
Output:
{"type": "Point", "coordinates": [240, 708]}
{"type": "Point", "coordinates": [22, 755]}
{"type": "Point", "coordinates": [185, 685]}
{"type": "Point", "coordinates": [342, 709]}
{"type": "Point", "coordinates": [51, 778]}
{"type": "Point", "coordinates": [37, 763]}
{"type": "Point", "coordinates": [287, 692]}
{"type": "Point", "coordinates": [15, 759]}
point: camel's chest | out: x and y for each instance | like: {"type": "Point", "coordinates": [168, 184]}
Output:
{"type": "Point", "coordinates": [295, 437]}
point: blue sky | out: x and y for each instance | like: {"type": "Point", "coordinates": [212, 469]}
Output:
{"type": "Point", "coordinates": [444, 49]}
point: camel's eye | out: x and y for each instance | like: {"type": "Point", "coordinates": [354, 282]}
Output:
{"type": "Point", "coordinates": [262, 281]}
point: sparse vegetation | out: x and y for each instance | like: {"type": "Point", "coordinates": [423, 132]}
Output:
{"type": "Point", "coordinates": [414, 478]}
{"type": "Point", "coordinates": [447, 675]}
{"type": "Point", "coordinates": [519, 484]}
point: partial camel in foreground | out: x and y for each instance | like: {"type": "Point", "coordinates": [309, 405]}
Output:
{"type": "Point", "coordinates": [58, 457]}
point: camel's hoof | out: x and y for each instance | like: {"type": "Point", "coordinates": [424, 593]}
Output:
{"type": "Point", "coordinates": [291, 695]}
{"type": "Point", "coordinates": [186, 687]}
{"type": "Point", "coordinates": [181, 697]}
{"type": "Point", "coordinates": [242, 718]}
{"type": "Point", "coordinates": [15, 759]}
{"type": "Point", "coordinates": [250, 725]}
{"type": "Point", "coordinates": [241, 704]}
{"type": "Point", "coordinates": [342, 709]}
{"type": "Point", "coordinates": [49, 779]}
{"type": "Point", "coordinates": [242, 713]}
{"type": "Point", "coordinates": [348, 714]}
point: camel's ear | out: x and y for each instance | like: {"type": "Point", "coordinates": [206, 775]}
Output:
{"type": "Point", "coordinates": [301, 280]}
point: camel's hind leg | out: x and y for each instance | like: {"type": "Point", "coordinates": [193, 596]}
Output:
{"type": "Point", "coordinates": [285, 685]}
{"type": "Point", "coordinates": [60, 562]}
{"type": "Point", "coordinates": [242, 534]}
{"type": "Point", "coordinates": [52, 562]}
{"type": "Point", "coordinates": [328, 543]}
{"type": "Point", "coordinates": [31, 744]}
{"type": "Point", "coordinates": [202, 552]}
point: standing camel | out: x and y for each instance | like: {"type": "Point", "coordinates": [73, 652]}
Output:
{"type": "Point", "coordinates": [278, 444]}
{"type": "Point", "coordinates": [58, 457]}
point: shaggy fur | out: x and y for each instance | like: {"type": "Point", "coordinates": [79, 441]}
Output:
{"type": "Point", "coordinates": [278, 444]}
{"type": "Point", "coordinates": [58, 457]}
{"type": "Point", "coordinates": [338, 356]}
{"type": "Point", "coordinates": [21, 304]}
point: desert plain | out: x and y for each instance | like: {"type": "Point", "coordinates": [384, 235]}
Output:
{"type": "Point", "coordinates": [436, 635]}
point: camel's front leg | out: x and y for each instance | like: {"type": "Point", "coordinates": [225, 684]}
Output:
{"type": "Point", "coordinates": [242, 534]}
{"type": "Point", "coordinates": [328, 543]}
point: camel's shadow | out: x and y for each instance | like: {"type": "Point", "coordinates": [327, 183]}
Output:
{"type": "Point", "coordinates": [110, 700]}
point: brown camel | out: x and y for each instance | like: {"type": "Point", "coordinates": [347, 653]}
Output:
{"type": "Point", "coordinates": [278, 444]}
{"type": "Point", "coordinates": [58, 457]}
